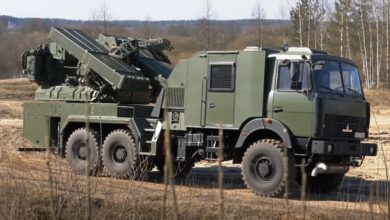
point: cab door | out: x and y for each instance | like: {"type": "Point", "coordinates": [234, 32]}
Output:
{"type": "Point", "coordinates": [292, 101]}
{"type": "Point", "coordinates": [219, 107]}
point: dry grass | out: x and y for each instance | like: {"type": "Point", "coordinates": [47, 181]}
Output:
{"type": "Point", "coordinates": [25, 193]}
{"type": "Point", "coordinates": [379, 100]}
{"type": "Point", "coordinates": [28, 191]}
{"type": "Point", "coordinates": [17, 89]}
{"type": "Point", "coordinates": [10, 109]}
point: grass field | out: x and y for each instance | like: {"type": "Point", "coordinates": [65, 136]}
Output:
{"type": "Point", "coordinates": [42, 186]}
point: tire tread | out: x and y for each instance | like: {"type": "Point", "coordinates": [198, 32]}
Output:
{"type": "Point", "coordinates": [289, 176]}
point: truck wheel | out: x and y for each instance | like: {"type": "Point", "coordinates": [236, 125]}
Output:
{"type": "Point", "coordinates": [324, 183]}
{"type": "Point", "coordinates": [76, 152]}
{"type": "Point", "coordinates": [263, 168]}
{"type": "Point", "coordinates": [181, 169]}
{"type": "Point", "coordinates": [120, 156]}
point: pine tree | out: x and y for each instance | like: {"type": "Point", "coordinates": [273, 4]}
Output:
{"type": "Point", "coordinates": [362, 17]}
{"type": "Point", "coordinates": [309, 22]}
{"type": "Point", "coordinates": [301, 19]}
{"type": "Point", "coordinates": [319, 23]}
{"type": "Point", "coordinates": [341, 17]}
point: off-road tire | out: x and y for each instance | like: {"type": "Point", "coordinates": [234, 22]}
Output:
{"type": "Point", "coordinates": [77, 157]}
{"type": "Point", "coordinates": [261, 177]}
{"type": "Point", "coordinates": [120, 156]}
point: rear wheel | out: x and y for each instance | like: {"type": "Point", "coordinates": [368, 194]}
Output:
{"type": "Point", "coordinates": [83, 144]}
{"type": "Point", "coordinates": [120, 156]}
{"type": "Point", "coordinates": [264, 168]}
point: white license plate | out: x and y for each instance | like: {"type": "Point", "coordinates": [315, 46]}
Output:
{"type": "Point", "coordinates": [360, 135]}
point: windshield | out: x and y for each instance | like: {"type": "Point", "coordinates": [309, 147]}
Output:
{"type": "Point", "coordinates": [333, 77]}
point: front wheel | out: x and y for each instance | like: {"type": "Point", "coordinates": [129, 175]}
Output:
{"type": "Point", "coordinates": [264, 168]}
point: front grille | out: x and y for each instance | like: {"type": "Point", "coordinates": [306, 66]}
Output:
{"type": "Point", "coordinates": [339, 126]}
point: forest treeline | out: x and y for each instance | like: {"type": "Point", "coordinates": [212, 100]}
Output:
{"type": "Point", "coordinates": [355, 29]}
{"type": "Point", "coordinates": [186, 36]}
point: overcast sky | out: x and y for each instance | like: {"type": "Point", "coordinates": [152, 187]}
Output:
{"type": "Point", "coordinates": [140, 9]}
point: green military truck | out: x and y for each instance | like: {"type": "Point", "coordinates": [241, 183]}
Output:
{"type": "Point", "coordinates": [105, 99]}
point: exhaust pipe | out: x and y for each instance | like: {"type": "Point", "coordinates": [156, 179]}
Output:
{"type": "Point", "coordinates": [322, 168]}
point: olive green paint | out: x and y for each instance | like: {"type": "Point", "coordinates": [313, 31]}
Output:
{"type": "Point", "coordinates": [37, 116]}
{"type": "Point", "coordinates": [205, 108]}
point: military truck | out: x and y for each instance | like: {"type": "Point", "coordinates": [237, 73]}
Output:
{"type": "Point", "coordinates": [100, 104]}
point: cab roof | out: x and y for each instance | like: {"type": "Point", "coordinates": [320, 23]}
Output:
{"type": "Point", "coordinates": [298, 53]}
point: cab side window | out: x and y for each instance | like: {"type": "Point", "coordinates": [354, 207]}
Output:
{"type": "Point", "coordinates": [284, 79]}
{"type": "Point", "coordinates": [304, 75]}
{"type": "Point", "coordinates": [293, 76]}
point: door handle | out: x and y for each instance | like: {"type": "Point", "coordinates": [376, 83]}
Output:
{"type": "Point", "coordinates": [278, 109]}
{"type": "Point", "coordinates": [211, 105]}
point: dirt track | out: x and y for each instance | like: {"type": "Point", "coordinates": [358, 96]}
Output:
{"type": "Point", "coordinates": [26, 175]}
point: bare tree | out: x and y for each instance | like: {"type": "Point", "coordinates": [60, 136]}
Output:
{"type": "Point", "coordinates": [363, 18]}
{"type": "Point", "coordinates": [309, 21]}
{"type": "Point", "coordinates": [322, 23]}
{"type": "Point", "coordinates": [348, 35]}
{"type": "Point", "coordinates": [103, 15]}
{"type": "Point", "coordinates": [318, 22]}
{"type": "Point", "coordinates": [342, 19]}
{"type": "Point", "coordinates": [258, 14]}
{"type": "Point", "coordinates": [283, 23]}
{"type": "Point", "coordinates": [204, 26]}
{"type": "Point", "coordinates": [301, 17]}
{"type": "Point", "coordinates": [386, 4]}
{"type": "Point", "coordinates": [148, 28]}
{"type": "Point", "coordinates": [378, 42]}
{"type": "Point", "coordinates": [342, 26]}
{"type": "Point", "coordinates": [371, 54]}
{"type": "Point", "coordinates": [225, 34]}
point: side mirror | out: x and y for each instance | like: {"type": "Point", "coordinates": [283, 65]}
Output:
{"type": "Point", "coordinates": [296, 85]}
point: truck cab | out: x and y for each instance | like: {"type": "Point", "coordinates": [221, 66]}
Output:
{"type": "Point", "coordinates": [297, 102]}
{"type": "Point", "coordinates": [320, 99]}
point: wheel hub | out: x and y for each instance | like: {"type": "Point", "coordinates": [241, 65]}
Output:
{"type": "Point", "coordinates": [264, 169]}
{"type": "Point", "coordinates": [82, 152]}
{"type": "Point", "coordinates": [120, 154]}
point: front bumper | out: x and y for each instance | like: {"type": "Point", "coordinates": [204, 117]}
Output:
{"type": "Point", "coordinates": [344, 148]}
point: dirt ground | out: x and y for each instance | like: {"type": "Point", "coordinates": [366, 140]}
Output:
{"type": "Point", "coordinates": [40, 185]}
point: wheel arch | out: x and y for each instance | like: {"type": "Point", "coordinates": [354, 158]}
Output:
{"type": "Point", "coordinates": [260, 128]}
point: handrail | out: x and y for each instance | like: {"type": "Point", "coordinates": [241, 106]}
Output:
{"type": "Point", "coordinates": [203, 101]}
